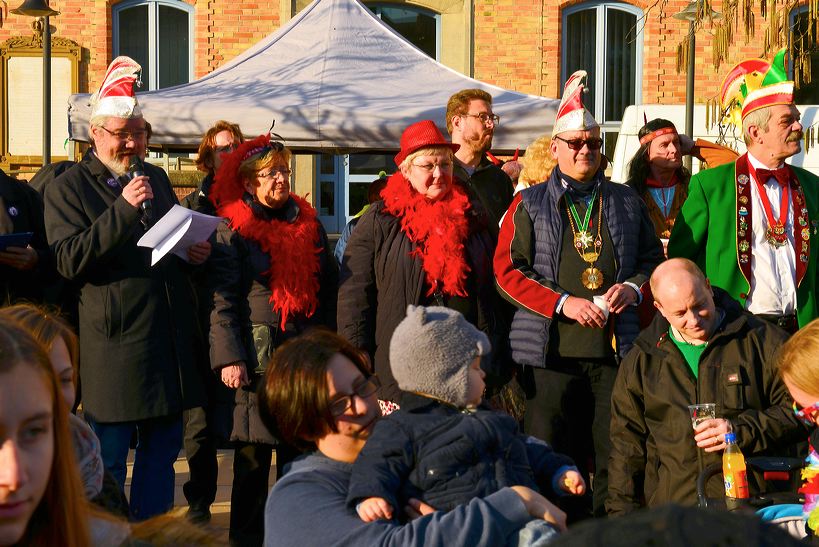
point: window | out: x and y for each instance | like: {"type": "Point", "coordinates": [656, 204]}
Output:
{"type": "Point", "coordinates": [158, 34]}
{"type": "Point", "coordinates": [421, 27]}
{"type": "Point", "coordinates": [605, 40]}
{"type": "Point", "coordinates": [806, 93]}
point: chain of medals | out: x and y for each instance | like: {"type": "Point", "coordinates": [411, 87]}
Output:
{"type": "Point", "coordinates": [587, 247]}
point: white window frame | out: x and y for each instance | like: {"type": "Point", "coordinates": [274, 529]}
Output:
{"type": "Point", "coordinates": [153, 33]}
{"type": "Point", "coordinates": [600, 84]}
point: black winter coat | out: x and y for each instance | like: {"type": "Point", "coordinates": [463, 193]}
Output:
{"type": "Point", "coordinates": [24, 207]}
{"type": "Point", "coordinates": [379, 279]}
{"type": "Point", "coordinates": [447, 456]}
{"type": "Point", "coordinates": [137, 322]}
{"type": "Point", "coordinates": [654, 458]}
{"type": "Point", "coordinates": [243, 325]}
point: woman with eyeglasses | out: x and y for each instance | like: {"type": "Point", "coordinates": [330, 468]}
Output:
{"type": "Point", "coordinates": [318, 393]}
{"type": "Point", "coordinates": [272, 275]}
{"type": "Point", "coordinates": [422, 244]}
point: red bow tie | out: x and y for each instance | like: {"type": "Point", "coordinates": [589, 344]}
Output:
{"type": "Point", "coordinates": [782, 175]}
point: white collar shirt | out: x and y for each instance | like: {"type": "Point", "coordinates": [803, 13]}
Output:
{"type": "Point", "coordinates": [773, 269]}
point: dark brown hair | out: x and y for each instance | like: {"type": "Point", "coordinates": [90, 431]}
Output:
{"type": "Point", "coordinates": [204, 160]}
{"type": "Point", "coordinates": [293, 401]}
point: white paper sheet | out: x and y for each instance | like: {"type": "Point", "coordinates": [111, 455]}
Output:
{"type": "Point", "coordinates": [176, 231]}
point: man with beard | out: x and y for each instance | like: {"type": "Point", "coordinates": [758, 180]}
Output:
{"type": "Point", "coordinates": [471, 122]}
{"type": "Point", "coordinates": [573, 254]}
{"type": "Point", "coordinates": [751, 225]}
{"type": "Point", "coordinates": [137, 332]}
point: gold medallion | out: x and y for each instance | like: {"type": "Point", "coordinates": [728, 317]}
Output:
{"type": "Point", "coordinates": [591, 256]}
{"type": "Point", "coordinates": [592, 278]}
{"type": "Point", "coordinates": [582, 239]}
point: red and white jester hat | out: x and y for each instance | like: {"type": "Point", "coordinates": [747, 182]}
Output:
{"type": "Point", "coordinates": [571, 114]}
{"type": "Point", "coordinates": [115, 97]}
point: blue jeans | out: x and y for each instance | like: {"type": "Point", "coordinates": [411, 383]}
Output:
{"type": "Point", "coordinates": [159, 441]}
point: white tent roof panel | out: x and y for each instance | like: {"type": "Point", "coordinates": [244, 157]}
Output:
{"type": "Point", "coordinates": [335, 78]}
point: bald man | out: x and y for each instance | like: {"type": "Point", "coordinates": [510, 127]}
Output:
{"type": "Point", "coordinates": [702, 347]}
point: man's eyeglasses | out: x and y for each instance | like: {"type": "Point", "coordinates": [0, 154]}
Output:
{"type": "Point", "coordinates": [273, 172]}
{"type": "Point", "coordinates": [808, 414]}
{"type": "Point", "coordinates": [594, 143]}
{"type": "Point", "coordinates": [485, 118]}
{"type": "Point", "coordinates": [430, 167]}
{"type": "Point", "coordinates": [135, 135]}
{"type": "Point", "coordinates": [362, 391]}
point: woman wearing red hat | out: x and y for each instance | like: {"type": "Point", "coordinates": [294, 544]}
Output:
{"type": "Point", "coordinates": [423, 244]}
{"type": "Point", "coordinates": [273, 276]}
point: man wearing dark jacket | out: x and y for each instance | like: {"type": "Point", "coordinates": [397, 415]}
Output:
{"type": "Point", "coordinates": [562, 244]}
{"type": "Point", "coordinates": [695, 351]}
{"type": "Point", "coordinates": [471, 122]}
{"type": "Point", "coordinates": [136, 327]}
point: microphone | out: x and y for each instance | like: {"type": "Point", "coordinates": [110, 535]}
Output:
{"type": "Point", "coordinates": [136, 169]}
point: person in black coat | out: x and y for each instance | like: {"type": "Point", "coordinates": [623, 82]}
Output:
{"type": "Point", "coordinates": [24, 270]}
{"type": "Point", "coordinates": [272, 276]}
{"type": "Point", "coordinates": [137, 332]}
{"type": "Point", "coordinates": [205, 425]}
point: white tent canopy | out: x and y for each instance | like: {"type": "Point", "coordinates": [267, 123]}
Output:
{"type": "Point", "coordinates": [335, 78]}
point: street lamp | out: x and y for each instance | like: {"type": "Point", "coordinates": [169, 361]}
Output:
{"type": "Point", "coordinates": [690, 14]}
{"type": "Point", "coordinates": [40, 8]}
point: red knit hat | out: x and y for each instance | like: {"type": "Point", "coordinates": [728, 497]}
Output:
{"type": "Point", "coordinates": [419, 135]}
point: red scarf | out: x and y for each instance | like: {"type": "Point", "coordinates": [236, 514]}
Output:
{"type": "Point", "coordinates": [439, 230]}
{"type": "Point", "coordinates": [293, 247]}
{"type": "Point", "coordinates": [651, 182]}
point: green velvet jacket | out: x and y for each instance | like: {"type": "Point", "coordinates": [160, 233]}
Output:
{"type": "Point", "coordinates": [714, 230]}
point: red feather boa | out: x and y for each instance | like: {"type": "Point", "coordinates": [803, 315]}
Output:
{"type": "Point", "coordinates": [293, 248]}
{"type": "Point", "coordinates": [438, 228]}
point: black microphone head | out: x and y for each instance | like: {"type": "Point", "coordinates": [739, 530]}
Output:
{"type": "Point", "coordinates": [135, 167]}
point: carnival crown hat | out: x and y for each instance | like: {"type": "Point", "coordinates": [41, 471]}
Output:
{"type": "Point", "coordinates": [420, 135]}
{"type": "Point", "coordinates": [115, 97]}
{"type": "Point", "coordinates": [755, 84]}
{"type": "Point", "coordinates": [571, 114]}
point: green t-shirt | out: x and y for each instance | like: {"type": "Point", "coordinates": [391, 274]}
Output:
{"type": "Point", "coordinates": [690, 352]}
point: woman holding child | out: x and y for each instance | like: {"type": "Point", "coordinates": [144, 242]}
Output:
{"type": "Point", "coordinates": [423, 244]}
{"type": "Point", "coordinates": [318, 393]}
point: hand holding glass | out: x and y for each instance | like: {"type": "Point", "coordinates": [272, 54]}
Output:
{"type": "Point", "coordinates": [701, 412]}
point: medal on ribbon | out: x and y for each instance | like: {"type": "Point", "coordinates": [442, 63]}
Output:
{"type": "Point", "coordinates": [586, 245]}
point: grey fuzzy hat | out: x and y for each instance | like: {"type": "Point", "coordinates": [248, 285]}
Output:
{"type": "Point", "coordinates": [431, 350]}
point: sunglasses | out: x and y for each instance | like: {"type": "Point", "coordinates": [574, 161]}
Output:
{"type": "Point", "coordinates": [808, 414]}
{"type": "Point", "coordinates": [594, 143]}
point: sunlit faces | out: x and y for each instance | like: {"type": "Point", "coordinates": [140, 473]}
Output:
{"type": "Point", "coordinates": [26, 448]}
{"type": "Point", "coordinates": [63, 370]}
{"type": "Point", "coordinates": [271, 186]}
{"type": "Point", "coordinates": [578, 164]}
{"type": "Point", "coordinates": [475, 383]}
{"type": "Point", "coordinates": [355, 425]}
{"type": "Point", "coordinates": [473, 132]}
{"type": "Point", "coordinates": [783, 137]}
{"type": "Point", "coordinates": [430, 175]}
{"type": "Point", "coordinates": [688, 306]}
{"type": "Point", "coordinates": [118, 140]}
{"type": "Point", "coordinates": [223, 143]}
{"type": "Point", "coordinates": [664, 152]}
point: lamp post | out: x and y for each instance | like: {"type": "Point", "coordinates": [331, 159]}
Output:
{"type": "Point", "coordinates": [690, 14]}
{"type": "Point", "coordinates": [40, 8]}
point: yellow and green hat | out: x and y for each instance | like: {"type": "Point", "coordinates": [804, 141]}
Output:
{"type": "Point", "coordinates": [755, 84]}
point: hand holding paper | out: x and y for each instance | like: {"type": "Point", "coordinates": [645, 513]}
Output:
{"type": "Point", "coordinates": [178, 230]}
